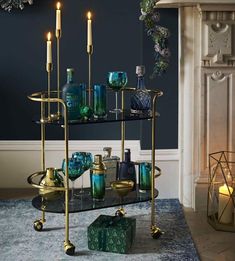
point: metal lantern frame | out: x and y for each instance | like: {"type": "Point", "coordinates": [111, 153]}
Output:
{"type": "Point", "coordinates": [221, 173]}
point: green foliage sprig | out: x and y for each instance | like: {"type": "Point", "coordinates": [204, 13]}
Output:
{"type": "Point", "coordinates": [9, 4]}
{"type": "Point", "coordinates": [159, 34]}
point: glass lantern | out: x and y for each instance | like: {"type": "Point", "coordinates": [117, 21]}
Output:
{"type": "Point", "coordinates": [221, 191]}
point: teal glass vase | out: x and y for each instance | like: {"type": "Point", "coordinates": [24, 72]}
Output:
{"type": "Point", "coordinates": [99, 101]}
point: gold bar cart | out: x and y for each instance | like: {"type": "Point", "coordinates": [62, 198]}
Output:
{"type": "Point", "coordinates": [45, 98]}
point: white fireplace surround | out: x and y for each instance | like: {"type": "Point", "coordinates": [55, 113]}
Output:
{"type": "Point", "coordinates": [206, 89]}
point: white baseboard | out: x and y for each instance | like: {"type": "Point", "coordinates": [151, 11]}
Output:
{"type": "Point", "coordinates": [19, 159]}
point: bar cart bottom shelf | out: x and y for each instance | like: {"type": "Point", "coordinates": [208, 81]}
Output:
{"type": "Point", "coordinates": [84, 201]}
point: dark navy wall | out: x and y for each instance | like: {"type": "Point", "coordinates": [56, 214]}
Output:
{"type": "Point", "coordinates": [167, 124]}
{"type": "Point", "coordinates": [119, 44]}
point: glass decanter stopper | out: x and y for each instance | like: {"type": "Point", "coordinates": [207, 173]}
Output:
{"type": "Point", "coordinates": [141, 99]}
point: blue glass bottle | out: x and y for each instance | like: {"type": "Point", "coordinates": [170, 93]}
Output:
{"type": "Point", "coordinates": [71, 96]}
{"type": "Point", "coordinates": [127, 168]}
{"type": "Point", "coordinates": [141, 99]}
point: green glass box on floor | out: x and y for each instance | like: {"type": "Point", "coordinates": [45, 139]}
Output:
{"type": "Point", "coordinates": [111, 234]}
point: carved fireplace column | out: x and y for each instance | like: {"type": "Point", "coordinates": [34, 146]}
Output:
{"type": "Point", "coordinates": [217, 130]}
{"type": "Point", "coordinates": [206, 90]}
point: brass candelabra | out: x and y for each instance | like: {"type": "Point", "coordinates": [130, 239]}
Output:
{"type": "Point", "coordinates": [49, 68]}
{"type": "Point", "coordinates": [58, 34]}
{"type": "Point", "coordinates": [89, 52]}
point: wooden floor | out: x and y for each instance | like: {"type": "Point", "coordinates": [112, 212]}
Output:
{"type": "Point", "coordinates": [212, 245]}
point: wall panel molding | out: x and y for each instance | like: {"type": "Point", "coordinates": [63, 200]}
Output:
{"type": "Point", "coordinates": [219, 122]}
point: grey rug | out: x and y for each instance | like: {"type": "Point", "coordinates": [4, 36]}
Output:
{"type": "Point", "coordinates": [19, 241]}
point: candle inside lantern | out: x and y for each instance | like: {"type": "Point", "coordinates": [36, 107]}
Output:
{"type": "Point", "coordinates": [49, 51]}
{"type": "Point", "coordinates": [89, 29]}
{"type": "Point", "coordinates": [58, 16]}
{"type": "Point", "coordinates": [225, 213]}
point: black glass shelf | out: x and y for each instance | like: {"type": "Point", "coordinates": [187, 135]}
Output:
{"type": "Point", "coordinates": [85, 202]}
{"type": "Point", "coordinates": [111, 117]}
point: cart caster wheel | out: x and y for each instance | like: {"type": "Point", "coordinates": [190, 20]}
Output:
{"type": "Point", "coordinates": [156, 232]}
{"type": "Point", "coordinates": [69, 248]}
{"type": "Point", "coordinates": [37, 225]}
{"type": "Point", "coordinates": [120, 212]}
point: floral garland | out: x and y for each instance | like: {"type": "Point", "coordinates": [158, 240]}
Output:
{"type": "Point", "coordinates": [159, 34]}
{"type": "Point", "coordinates": [7, 5]}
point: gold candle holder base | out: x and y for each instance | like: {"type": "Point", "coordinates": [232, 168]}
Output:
{"type": "Point", "coordinates": [49, 67]}
{"type": "Point", "coordinates": [89, 49]}
{"type": "Point", "coordinates": [58, 33]}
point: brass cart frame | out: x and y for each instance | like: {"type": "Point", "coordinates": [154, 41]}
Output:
{"type": "Point", "coordinates": [44, 99]}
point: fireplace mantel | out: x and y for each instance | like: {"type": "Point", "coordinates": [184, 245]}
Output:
{"type": "Point", "coordinates": [188, 3]}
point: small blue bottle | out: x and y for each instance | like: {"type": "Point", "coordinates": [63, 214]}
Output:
{"type": "Point", "coordinates": [71, 95]}
{"type": "Point", "coordinates": [127, 168]}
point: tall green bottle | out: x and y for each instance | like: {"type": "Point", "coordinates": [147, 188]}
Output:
{"type": "Point", "coordinates": [71, 95]}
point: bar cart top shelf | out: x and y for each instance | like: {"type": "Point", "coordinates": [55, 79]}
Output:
{"type": "Point", "coordinates": [85, 202]}
{"type": "Point", "coordinates": [111, 117]}
{"type": "Point", "coordinates": [126, 115]}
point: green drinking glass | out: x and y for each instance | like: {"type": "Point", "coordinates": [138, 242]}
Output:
{"type": "Point", "coordinates": [116, 81]}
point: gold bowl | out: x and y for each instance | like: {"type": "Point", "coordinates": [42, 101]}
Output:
{"type": "Point", "coordinates": [122, 187]}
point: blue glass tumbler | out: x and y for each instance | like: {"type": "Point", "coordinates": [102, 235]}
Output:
{"type": "Point", "coordinates": [82, 94]}
{"type": "Point", "coordinates": [99, 101]}
{"type": "Point", "coordinates": [145, 169]}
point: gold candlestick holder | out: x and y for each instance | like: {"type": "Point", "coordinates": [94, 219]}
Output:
{"type": "Point", "coordinates": [58, 34]}
{"type": "Point", "coordinates": [49, 68]}
{"type": "Point", "coordinates": [90, 52]}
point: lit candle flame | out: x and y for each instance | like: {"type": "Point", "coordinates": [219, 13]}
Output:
{"type": "Point", "coordinates": [49, 36]}
{"type": "Point", "coordinates": [89, 15]}
{"type": "Point", "coordinates": [58, 5]}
